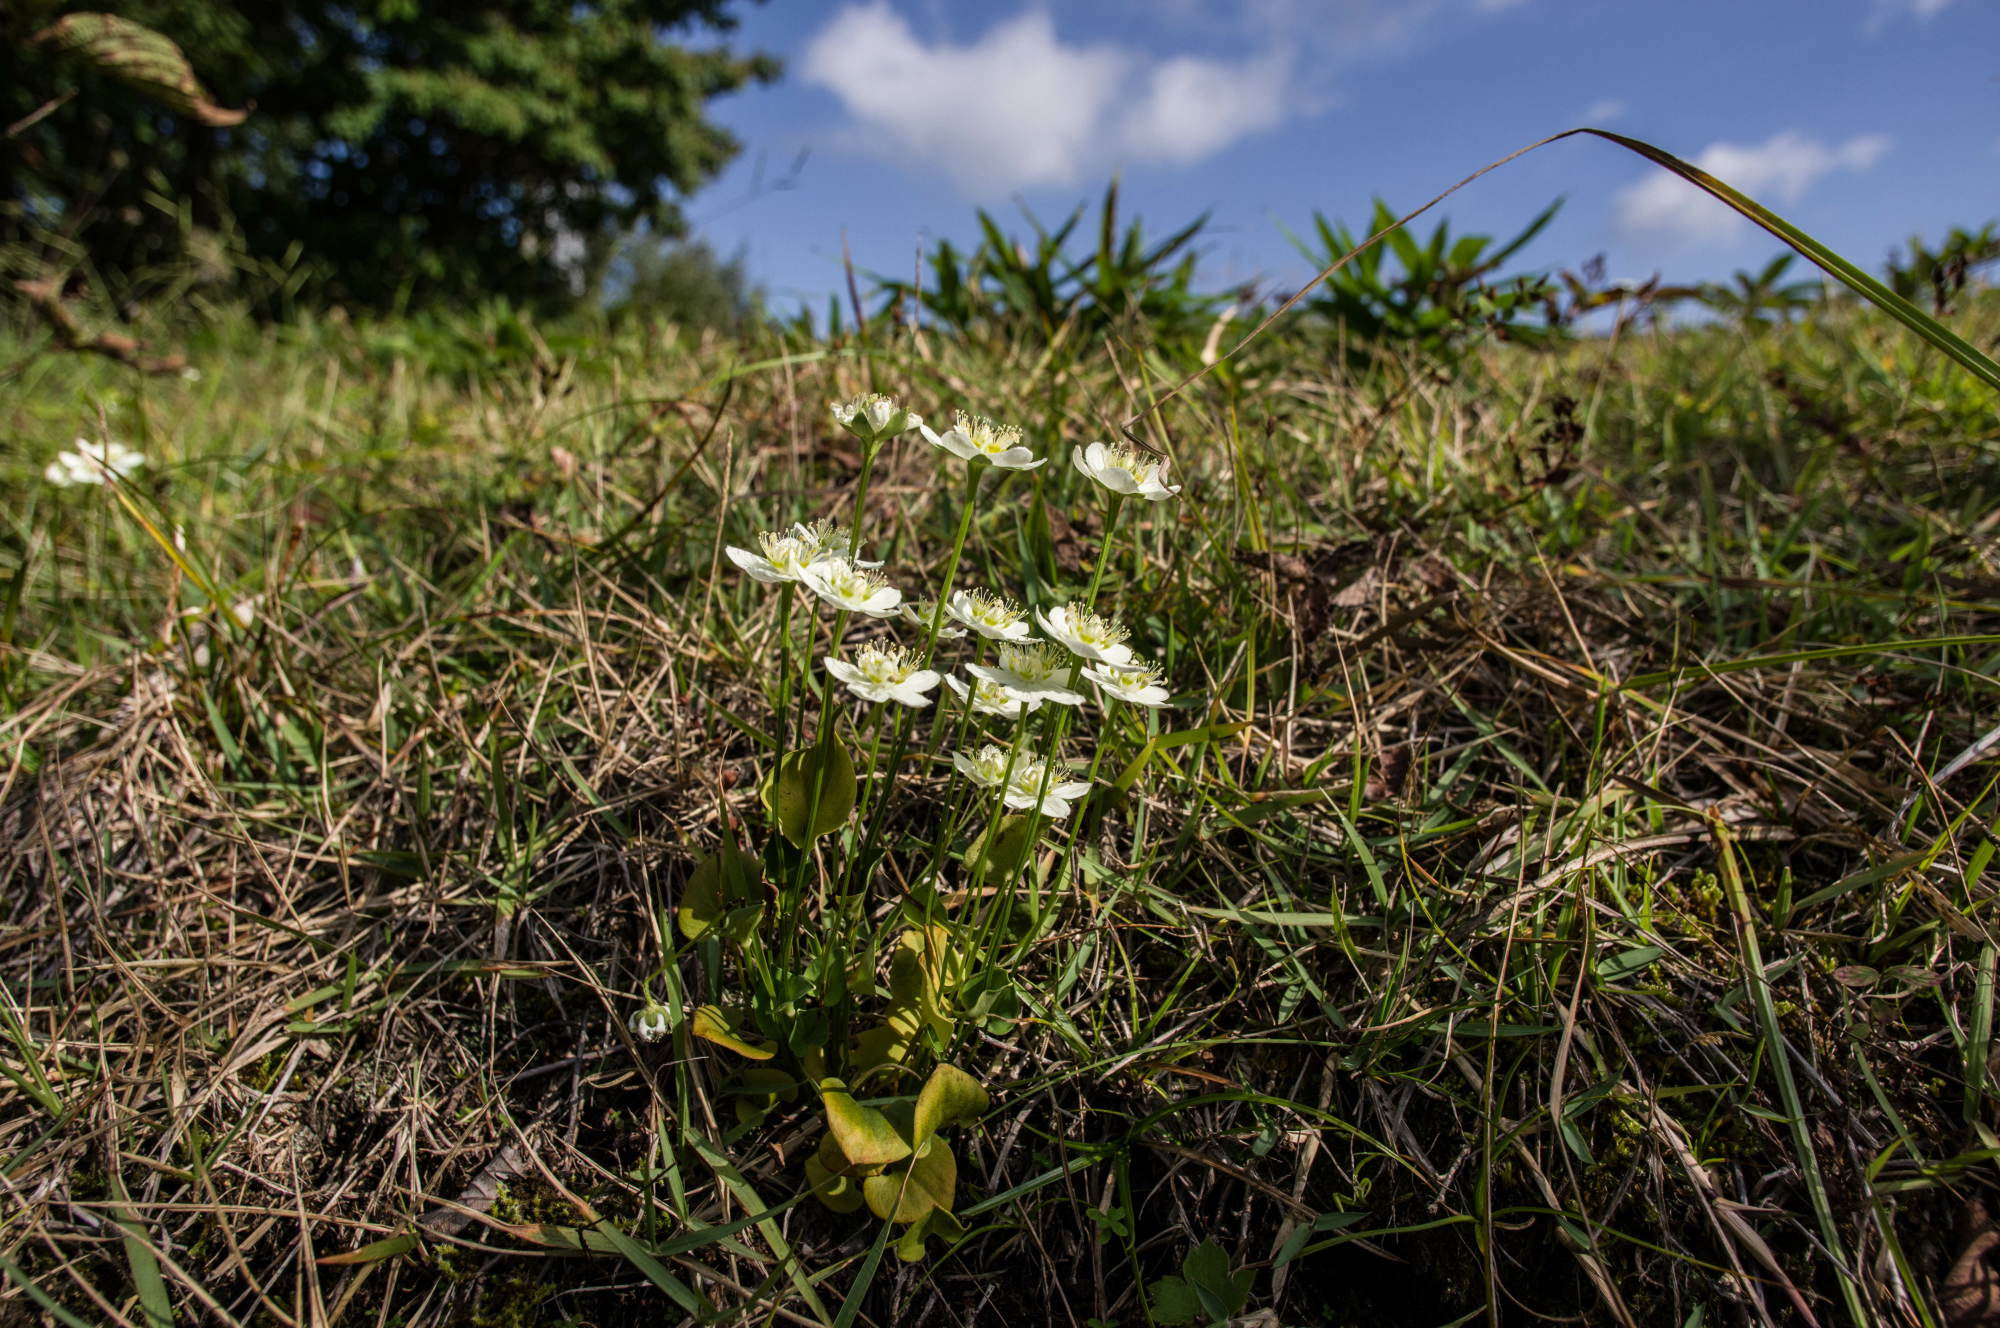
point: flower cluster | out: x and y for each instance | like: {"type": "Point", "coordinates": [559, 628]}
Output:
{"type": "Point", "coordinates": [92, 463]}
{"type": "Point", "coordinates": [1026, 781]}
{"type": "Point", "coordinates": [1028, 672]}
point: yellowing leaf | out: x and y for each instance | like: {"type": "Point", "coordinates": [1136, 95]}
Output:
{"type": "Point", "coordinates": [910, 1193]}
{"type": "Point", "coordinates": [840, 1193]}
{"type": "Point", "coordinates": [948, 1096]}
{"type": "Point", "coordinates": [711, 1024]}
{"type": "Point", "coordinates": [864, 1135]}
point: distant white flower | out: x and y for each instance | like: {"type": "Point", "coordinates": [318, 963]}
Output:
{"type": "Point", "coordinates": [1030, 672]}
{"type": "Point", "coordinates": [92, 463]}
{"type": "Point", "coordinates": [243, 613]}
{"type": "Point", "coordinates": [885, 673]}
{"type": "Point", "coordinates": [1142, 685]}
{"type": "Point", "coordinates": [989, 615]}
{"type": "Point", "coordinates": [190, 374]}
{"type": "Point", "coordinates": [990, 768]}
{"type": "Point", "coordinates": [1087, 634]}
{"type": "Point", "coordinates": [1124, 472]}
{"type": "Point", "coordinates": [990, 698]}
{"type": "Point", "coordinates": [975, 436]}
{"type": "Point", "coordinates": [924, 614]}
{"type": "Point", "coordinates": [874, 417]}
{"type": "Point", "coordinates": [649, 1022]}
{"type": "Point", "coordinates": [845, 586]}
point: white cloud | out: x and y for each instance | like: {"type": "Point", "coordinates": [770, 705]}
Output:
{"type": "Point", "coordinates": [1603, 112]}
{"type": "Point", "coordinates": [1779, 170]}
{"type": "Point", "coordinates": [1018, 107]}
{"type": "Point", "coordinates": [1921, 10]}
{"type": "Point", "coordinates": [1192, 107]}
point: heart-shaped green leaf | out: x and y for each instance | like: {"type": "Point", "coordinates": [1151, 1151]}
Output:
{"type": "Point", "coordinates": [999, 853]}
{"type": "Point", "coordinates": [722, 883]}
{"type": "Point", "coordinates": [948, 1096]}
{"type": "Point", "coordinates": [888, 1043]}
{"type": "Point", "coordinates": [865, 1136]}
{"type": "Point", "coordinates": [840, 1193]}
{"type": "Point", "coordinates": [788, 792]}
{"type": "Point", "coordinates": [910, 1249]}
{"type": "Point", "coordinates": [908, 1194]}
{"type": "Point", "coordinates": [713, 1024]}
{"type": "Point", "coordinates": [759, 1089]}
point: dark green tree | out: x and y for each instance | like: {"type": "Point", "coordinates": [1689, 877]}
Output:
{"type": "Point", "coordinates": [403, 150]}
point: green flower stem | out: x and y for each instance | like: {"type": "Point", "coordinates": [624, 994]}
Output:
{"type": "Point", "coordinates": [870, 449]}
{"type": "Point", "coordinates": [903, 722]}
{"type": "Point", "coordinates": [825, 743]}
{"type": "Point", "coordinates": [1114, 510]}
{"type": "Point", "coordinates": [951, 564]}
{"type": "Point", "coordinates": [989, 912]}
{"type": "Point", "coordinates": [1059, 727]}
{"type": "Point", "coordinates": [876, 726]}
{"type": "Point", "coordinates": [788, 730]}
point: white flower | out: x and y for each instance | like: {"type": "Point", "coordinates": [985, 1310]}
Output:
{"type": "Point", "coordinates": [845, 586]}
{"type": "Point", "coordinates": [788, 553]}
{"type": "Point", "coordinates": [885, 673]}
{"type": "Point", "coordinates": [990, 698]}
{"type": "Point", "coordinates": [975, 436]}
{"type": "Point", "coordinates": [190, 374]}
{"type": "Point", "coordinates": [785, 557]}
{"type": "Point", "coordinates": [1030, 672]}
{"type": "Point", "coordinates": [1087, 634]}
{"type": "Point", "coordinates": [830, 539]}
{"type": "Point", "coordinates": [649, 1022]}
{"type": "Point", "coordinates": [874, 417]}
{"type": "Point", "coordinates": [1023, 783]}
{"type": "Point", "coordinates": [989, 615]}
{"type": "Point", "coordinates": [1124, 472]}
{"type": "Point", "coordinates": [1141, 685]}
{"type": "Point", "coordinates": [924, 614]}
{"type": "Point", "coordinates": [92, 463]}
{"type": "Point", "coordinates": [243, 612]}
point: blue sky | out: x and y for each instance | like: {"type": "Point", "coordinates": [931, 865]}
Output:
{"type": "Point", "coordinates": [1864, 121]}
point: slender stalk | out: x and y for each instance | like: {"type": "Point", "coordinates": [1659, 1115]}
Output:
{"type": "Point", "coordinates": [788, 732]}
{"type": "Point", "coordinates": [903, 722]}
{"type": "Point", "coordinates": [869, 451]}
{"type": "Point", "coordinates": [1060, 725]}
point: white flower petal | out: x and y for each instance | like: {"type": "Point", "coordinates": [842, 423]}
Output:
{"type": "Point", "coordinates": [758, 567]}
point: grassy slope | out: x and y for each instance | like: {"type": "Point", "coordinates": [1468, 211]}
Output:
{"type": "Point", "coordinates": [340, 923]}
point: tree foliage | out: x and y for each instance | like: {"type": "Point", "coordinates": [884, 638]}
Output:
{"type": "Point", "coordinates": [405, 151]}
